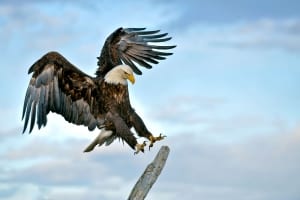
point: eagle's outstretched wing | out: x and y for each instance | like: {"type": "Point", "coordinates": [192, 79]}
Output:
{"type": "Point", "coordinates": [58, 86]}
{"type": "Point", "coordinates": [133, 46]}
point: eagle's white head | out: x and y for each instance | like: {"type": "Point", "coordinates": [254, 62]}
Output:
{"type": "Point", "coordinates": [119, 75]}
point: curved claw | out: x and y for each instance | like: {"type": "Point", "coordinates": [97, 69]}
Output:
{"type": "Point", "coordinates": [154, 139]}
{"type": "Point", "coordinates": [140, 147]}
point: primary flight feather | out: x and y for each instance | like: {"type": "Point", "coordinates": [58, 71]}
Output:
{"type": "Point", "coordinates": [102, 101]}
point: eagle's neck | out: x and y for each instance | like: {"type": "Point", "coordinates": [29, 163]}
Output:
{"type": "Point", "coordinates": [117, 94]}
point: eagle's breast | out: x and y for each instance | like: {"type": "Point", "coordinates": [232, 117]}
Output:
{"type": "Point", "coordinates": [115, 97]}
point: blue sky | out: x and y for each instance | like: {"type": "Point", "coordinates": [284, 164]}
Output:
{"type": "Point", "coordinates": [228, 100]}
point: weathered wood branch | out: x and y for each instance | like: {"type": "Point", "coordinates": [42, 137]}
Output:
{"type": "Point", "coordinates": [151, 173]}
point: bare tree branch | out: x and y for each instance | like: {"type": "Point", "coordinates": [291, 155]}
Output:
{"type": "Point", "coordinates": [150, 175]}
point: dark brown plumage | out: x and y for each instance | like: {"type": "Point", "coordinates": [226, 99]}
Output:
{"type": "Point", "coordinates": [58, 86]}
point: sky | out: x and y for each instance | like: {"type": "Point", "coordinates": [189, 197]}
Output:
{"type": "Point", "coordinates": [228, 100]}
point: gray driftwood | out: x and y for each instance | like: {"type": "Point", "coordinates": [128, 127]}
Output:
{"type": "Point", "coordinates": [150, 175]}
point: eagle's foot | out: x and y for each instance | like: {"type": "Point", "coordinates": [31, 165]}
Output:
{"type": "Point", "coordinates": [140, 147]}
{"type": "Point", "coordinates": [154, 139]}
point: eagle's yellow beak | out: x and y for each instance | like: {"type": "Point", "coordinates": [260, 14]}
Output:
{"type": "Point", "coordinates": [131, 78]}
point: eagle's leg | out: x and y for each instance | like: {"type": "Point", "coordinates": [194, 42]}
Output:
{"type": "Point", "coordinates": [122, 131]}
{"type": "Point", "coordinates": [142, 130]}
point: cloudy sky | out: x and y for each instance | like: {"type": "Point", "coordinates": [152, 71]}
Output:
{"type": "Point", "coordinates": [228, 100]}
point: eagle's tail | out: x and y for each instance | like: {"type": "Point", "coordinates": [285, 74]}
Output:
{"type": "Point", "coordinates": [104, 136]}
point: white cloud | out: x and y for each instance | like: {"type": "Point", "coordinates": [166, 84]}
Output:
{"type": "Point", "coordinates": [269, 34]}
{"type": "Point", "coordinates": [264, 167]}
{"type": "Point", "coordinates": [263, 34]}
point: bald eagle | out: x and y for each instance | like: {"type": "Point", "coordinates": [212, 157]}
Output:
{"type": "Point", "coordinates": [101, 101]}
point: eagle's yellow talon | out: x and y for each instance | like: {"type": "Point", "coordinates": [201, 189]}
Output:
{"type": "Point", "coordinates": [154, 139]}
{"type": "Point", "coordinates": [140, 147]}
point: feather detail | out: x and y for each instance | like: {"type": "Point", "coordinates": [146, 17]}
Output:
{"type": "Point", "coordinates": [130, 46]}
{"type": "Point", "coordinates": [58, 86]}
